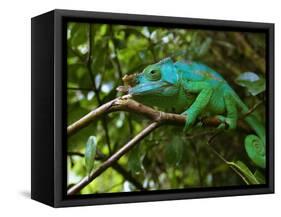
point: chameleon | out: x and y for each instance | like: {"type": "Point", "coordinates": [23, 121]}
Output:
{"type": "Point", "coordinates": [195, 90]}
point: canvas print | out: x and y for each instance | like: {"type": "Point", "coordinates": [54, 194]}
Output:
{"type": "Point", "coordinates": [154, 108]}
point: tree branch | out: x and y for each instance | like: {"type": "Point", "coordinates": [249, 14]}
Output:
{"type": "Point", "coordinates": [85, 181]}
{"type": "Point", "coordinates": [116, 166]}
{"type": "Point", "coordinates": [127, 175]}
{"type": "Point", "coordinates": [126, 104]}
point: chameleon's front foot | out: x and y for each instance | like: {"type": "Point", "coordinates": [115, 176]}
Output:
{"type": "Point", "coordinates": [226, 122]}
{"type": "Point", "coordinates": [189, 120]}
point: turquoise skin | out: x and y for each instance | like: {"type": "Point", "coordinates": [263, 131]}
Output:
{"type": "Point", "coordinates": [194, 89]}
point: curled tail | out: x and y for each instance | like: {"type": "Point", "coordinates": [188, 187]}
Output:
{"type": "Point", "coordinates": [254, 144]}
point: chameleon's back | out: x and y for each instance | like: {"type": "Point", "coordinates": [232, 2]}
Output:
{"type": "Point", "coordinates": [182, 99]}
{"type": "Point", "coordinates": [197, 71]}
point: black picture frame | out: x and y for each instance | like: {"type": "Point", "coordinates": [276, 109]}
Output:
{"type": "Point", "coordinates": [48, 184]}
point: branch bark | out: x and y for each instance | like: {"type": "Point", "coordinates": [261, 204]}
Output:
{"type": "Point", "coordinates": [125, 103]}
{"type": "Point", "coordinates": [117, 167]}
{"type": "Point", "coordinates": [85, 181]}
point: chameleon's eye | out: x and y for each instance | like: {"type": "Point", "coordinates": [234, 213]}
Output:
{"type": "Point", "coordinates": [153, 75]}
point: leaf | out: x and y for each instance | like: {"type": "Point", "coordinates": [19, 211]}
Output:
{"type": "Point", "coordinates": [79, 35]}
{"type": "Point", "coordinates": [253, 82]}
{"type": "Point", "coordinates": [135, 160]}
{"type": "Point", "coordinates": [260, 177]}
{"type": "Point", "coordinates": [174, 150]}
{"type": "Point", "coordinates": [245, 172]}
{"type": "Point", "coordinates": [204, 47]}
{"type": "Point", "coordinates": [90, 153]}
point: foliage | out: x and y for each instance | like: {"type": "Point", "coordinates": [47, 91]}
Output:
{"type": "Point", "coordinates": [254, 83]}
{"type": "Point", "coordinates": [99, 55]}
{"type": "Point", "coordinates": [90, 153]}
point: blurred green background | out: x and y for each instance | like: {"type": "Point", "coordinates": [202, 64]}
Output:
{"type": "Point", "coordinates": [99, 55]}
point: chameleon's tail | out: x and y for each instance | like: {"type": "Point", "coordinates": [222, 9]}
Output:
{"type": "Point", "coordinates": [254, 145]}
{"type": "Point", "coordinates": [250, 118]}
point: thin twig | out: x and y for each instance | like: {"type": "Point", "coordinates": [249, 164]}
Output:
{"type": "Point", "coordinates": [221, 157]}
{"type": "Point", "coordinates": [127, 175]}
{"type": "Point", "coordinates": [73, 153]}
{"type": "Point", "coordinates": [117, 62]}
{"type": "Point", "coordinates": [97, 92]}
{"type": "Point", "coordinates": [87, 119]}
{"type": "Point", "coordinates": [120, 73]}
{"type": "Point", "coordinates": [252, 109]}
{"type": "Point", "coordinates": [116, 166]}
{"type": "Point", "coordinates": [85, 181]}
{"type": "Point", "coordinates": [80, 88]}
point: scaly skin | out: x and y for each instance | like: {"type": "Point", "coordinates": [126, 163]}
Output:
{"type": "Point", "coordinates": [195, 89]}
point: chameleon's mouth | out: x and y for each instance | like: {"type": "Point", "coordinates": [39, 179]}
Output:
{"type": "Point", "coordinates": [148, 88]}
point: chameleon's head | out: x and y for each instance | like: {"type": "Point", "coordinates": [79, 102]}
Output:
{"type": "Point", "coordinates": [156, 79]}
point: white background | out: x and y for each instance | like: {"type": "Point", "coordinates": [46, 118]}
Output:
{"type": "Point", "coordinates": [15, 106]}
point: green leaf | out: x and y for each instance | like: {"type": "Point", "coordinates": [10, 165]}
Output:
{"type": "Point", "coordinates": [135, 160]}
{"type": "Point", "coordinates": [131, 31]}
{"type": "Point", "coordinates": [205, 46]}
{"type": "Point", "coordinates": [79, 37]}
{"type": "Point", "coordinates": [90, 153]}
{"type": "Point", "coordinates": [245, 172]}
{"type": "Point", "coordinates": [260, 177]}
{"type": "Point", "coordinates": [253, 82]}
{"type": "Point", "coordinates": [174, 150]}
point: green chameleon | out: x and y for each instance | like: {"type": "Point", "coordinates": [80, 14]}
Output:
{"type": "Point", "coordinates": [197, 90]}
